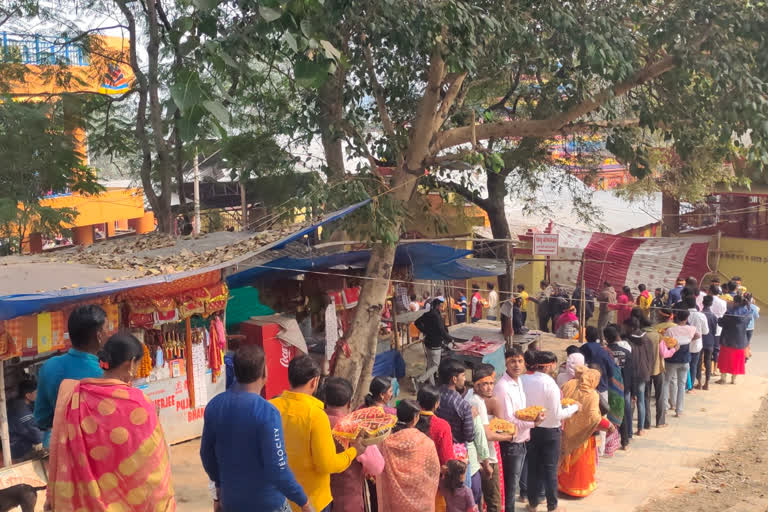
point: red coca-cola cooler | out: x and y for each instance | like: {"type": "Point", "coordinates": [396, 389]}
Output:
{"type": "Point", "coordinates": [278, 354]}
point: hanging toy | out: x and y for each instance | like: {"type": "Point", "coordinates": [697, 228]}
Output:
{"type": "Point", "coordinates": [159, 360]}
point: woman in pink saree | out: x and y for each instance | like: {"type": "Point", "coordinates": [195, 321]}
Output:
{"type": "Point", "coordinates": [108, 452]}
{"type": "Point", "coordinates": [411, 467]}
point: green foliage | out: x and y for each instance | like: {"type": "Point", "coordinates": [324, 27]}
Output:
{"type": "Point", "coordinates": [39, 158]}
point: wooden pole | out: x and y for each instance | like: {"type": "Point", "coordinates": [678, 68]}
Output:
{"type": "Point", "coordinates": [243, 206]}
{"type": "Point", "coordinates": [6, 441]}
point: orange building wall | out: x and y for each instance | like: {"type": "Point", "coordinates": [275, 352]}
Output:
{"type": "Point", "coordinates": [109, 206]}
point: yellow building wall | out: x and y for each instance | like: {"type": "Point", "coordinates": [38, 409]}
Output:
{"type": "Point", "coordinates": [108, 206]}
{"type": "Point", "coordinates": [747, 259]}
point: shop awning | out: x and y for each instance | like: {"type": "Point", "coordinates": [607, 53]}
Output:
{"type": "Point", "coordinates": [20, 304]}
{"type": "Point", "coordinates": [430, 262]}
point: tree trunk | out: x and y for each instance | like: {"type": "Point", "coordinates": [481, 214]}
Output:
{"type": "Point", "coordinates": [331, 105]}
{"type": "Point", "coordinates": [670, 215]}
{"type": "Point", "coordinates": [363, 334]}
{"type": "Point", "coordinates": [364, 331]}
{"type": "Point", "coordinates": [497, 215]}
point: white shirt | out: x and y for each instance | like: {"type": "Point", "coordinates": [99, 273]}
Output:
{"type": "Point", "coordinates": [699, 321]}
{"type": "Point", "coordinates": [542, 390]}
{"type": "Point", "coordinates": [511, 397]}
{"type": "Point", "coordinates": [700, 300]}
{"type": "Point", "coordinates": [482, 413]}
{"type": "Point", "coordinates": [493, 302]}
{"type": "Point", "coordinates": [719, 308]}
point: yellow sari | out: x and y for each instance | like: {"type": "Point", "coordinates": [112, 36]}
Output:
{"type": "Point", "coordinates": [108, 452]}
{"type": "Point", "coordinates": [578, 461]}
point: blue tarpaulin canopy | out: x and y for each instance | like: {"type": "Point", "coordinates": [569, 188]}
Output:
{"type": "Point", "coordinates": [430, 262]}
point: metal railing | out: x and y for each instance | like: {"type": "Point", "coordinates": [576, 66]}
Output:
{"type": "Point", "coordinates": [41, 51]}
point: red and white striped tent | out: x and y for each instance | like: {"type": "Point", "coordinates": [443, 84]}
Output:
{"type": "Point", "coordinates": [655, 262]}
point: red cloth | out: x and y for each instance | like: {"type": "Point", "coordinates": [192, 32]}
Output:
{"type": "Point", "coordinates": [440, 433]}
{"type": "Point", "coordinates": [732, 360]}
{"type": "Point", "coordinates": [478, 305]}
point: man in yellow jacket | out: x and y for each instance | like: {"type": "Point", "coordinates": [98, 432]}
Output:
{"type": "Point", "coordinates": [309, 444]}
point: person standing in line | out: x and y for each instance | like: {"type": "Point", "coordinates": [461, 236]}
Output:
{"type": "Point", "coordinates": [476, 305]}
{"type": "Point", "coordinates": [589, 303]}
{"type": "Point", "coordinates": [658, 303]}
{"type": "Point", "coordinates": [248, 475]}
{"type": "Point", "coordinates": [483, 380]}
{"type": "Point", "coordinates": [524, 301]}
{"type": "Point", "coordinates": [644, 300]}
{"type": "Point", "coordinates": [413, 305]}
{"type": "Point", "coordinates": [643, 355]}
{"type": "Point", "coordinates": [754, 311]}
{"type": "Point", "coordinates": [733, 340]}
{"type": "Point", "coordinates": [457, 495]}
{"type": "Point", "coordinates": [678, 365]}
{"type": "Point", "coordinates": [380, 392]}
{"type": "Point", "coordinates": [541, 390]}
{"type": "Point", "coordinates": [657, 378]}
{"type": "Point", "coordinates": [708, 343]}
{"type": "Point", "coordinates": [673, 297]}
{"type": "Point", "coordinates": [719, 308]}
{"type": "Point", "coordinates": [543, 310]}
{"type": "Point", "coordinates": [453, 408]}
{"type": "Point", "coordinates": [623, 305]}
{"type": "Point", "coordinates": [511, 397]}
{"type": "Point", "coordinates": [87, 327]}
{"type": "Point", "coordinates": [605, 299]}
{"type": "Point", "coordinates": [493, 303]}
{"type": "Point", "coordinates": [740, 289]}
{"type": "Point", "coordinates": [411, 473]}
{"type": "Point", "coordinates": [309, 444]}
{"type": "Point", "coordinates": [431, 324]}
{"type": "Point", "coordinates": [699, 321]}
{"type": "Point", "coordinates": [347, 488]}
{"type": "Point", "coordinates": [436, 428]}
{"type": "Point", "coordinates": [624, 360]}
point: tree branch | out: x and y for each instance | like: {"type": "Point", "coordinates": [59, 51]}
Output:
{"type": "Point", "coordinates": [466, 193]}
{"type": "Point", "coordinates": [454, 86]}
{"type": "Point", "coordinates": [562, 121]}
{"type": "Point", "coordinates": [378, 94]}
{"type": "Point", "coordinates": [422, 132]}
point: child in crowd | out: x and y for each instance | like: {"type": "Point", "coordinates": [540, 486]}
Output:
{"type": "Point", "coordinates": [458, 497]}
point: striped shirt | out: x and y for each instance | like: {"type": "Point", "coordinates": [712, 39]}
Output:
{"type": "Point", "coordinates": [458, 413]}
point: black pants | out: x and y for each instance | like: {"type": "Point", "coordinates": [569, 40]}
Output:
{"type": "Point", "coordinates": [706, 354]}
{"type": "Point", "coordinates": [544, 323]}
{"type": "Point", "coordinates": [512, 458]}
{"type": "Point", "coordinates": [716, 350]}
{"type": "Point", "coordinates": [661, 410]}
{"type": "Point", "coordinates": [542, 465]}
{"type": "Point", "coordinates": [524, 315]}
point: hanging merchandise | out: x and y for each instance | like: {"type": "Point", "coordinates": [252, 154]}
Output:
{"type": "Point", "coordinates": [215, 352]}
{"type": "Point", "coordinates": [199, 368]}
{"type": "Point", "coordinates": [159, 360]}
{"type": "Point", "coordinates": [331, 329]}
{"type": "Point", "coordinates": [145, 366]}
{"type": "Point", "coordinates": [351, 296]}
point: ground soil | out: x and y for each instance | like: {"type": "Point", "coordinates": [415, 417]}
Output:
{"type": "Point", "coordinates": [735, 479]}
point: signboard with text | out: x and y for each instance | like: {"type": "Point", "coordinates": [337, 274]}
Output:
{"type": "Point", "coordinates": [171, 398]}
{"type": "Point", "coordinates": [545, 244]}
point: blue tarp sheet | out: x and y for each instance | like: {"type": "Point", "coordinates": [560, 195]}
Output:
{"type": "Point", "coordinates": [326, 219]}
{"type": "Point", "coordinates": [430, 262]}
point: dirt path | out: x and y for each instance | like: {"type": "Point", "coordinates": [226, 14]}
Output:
{"type": "Point", "coordinates": [733, 480]}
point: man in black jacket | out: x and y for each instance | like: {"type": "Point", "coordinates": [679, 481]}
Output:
{"type": "Point", "coordinates": [435, 334]}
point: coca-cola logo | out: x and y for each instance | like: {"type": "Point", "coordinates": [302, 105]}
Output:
{"type": "Point", "coordinates": [285, 355]}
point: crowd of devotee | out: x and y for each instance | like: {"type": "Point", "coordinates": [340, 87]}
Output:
{"type": "Point", "coordinates": [469, 441]}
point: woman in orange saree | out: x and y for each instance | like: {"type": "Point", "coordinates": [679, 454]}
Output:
{"type": "Point", "coordinates": [411, 467]}
{"type": "Point", "coordinates": [578, 457]}
{"type": "Point", "coordinates": [108, 451]}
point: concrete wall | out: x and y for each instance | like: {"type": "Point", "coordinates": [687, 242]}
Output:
{"type": "Point", "coordinates": [747, 259]}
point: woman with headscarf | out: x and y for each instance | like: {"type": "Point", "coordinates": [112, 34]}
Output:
{"type": "Point", "coordinates": [567, 325]}
{"type": "Point", "coordinates": [574, 360]}
{"type": "Point", "coordinates": [411, 467]}
{"type": "Point", "coordinates": [578, 451]}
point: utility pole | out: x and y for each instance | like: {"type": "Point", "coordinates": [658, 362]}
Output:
{"type": "Point", "coordinates": [196, 168]}
{"type": "Point", "coordinates": [244, 206]}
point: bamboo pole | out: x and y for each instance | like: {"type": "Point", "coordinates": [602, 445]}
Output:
{"type": "Point", "coordinates": [583, 304]}
{"type": "Point", "coordinates": [6, 441]}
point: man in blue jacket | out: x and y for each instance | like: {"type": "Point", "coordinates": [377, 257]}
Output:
{"type": "Point", "coordinates": [243, 450]}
